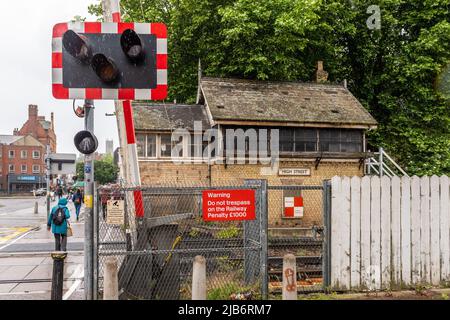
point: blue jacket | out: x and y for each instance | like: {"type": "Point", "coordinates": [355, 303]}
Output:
{"type": "Point", "coordinates": [75, 197]}
{"type": "Point", "coordinates": [61, 229]}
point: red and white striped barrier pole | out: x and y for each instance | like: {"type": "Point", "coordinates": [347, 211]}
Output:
{"type": "Point", "coordinates": [135, 178]}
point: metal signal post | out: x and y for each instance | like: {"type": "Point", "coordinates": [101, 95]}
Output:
{"type": "Point", "coordinates": [89, 210]}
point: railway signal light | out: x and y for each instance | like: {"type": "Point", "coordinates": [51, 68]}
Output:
{"type": "Point", "coordinates": [132, 45]}
{"type": "Point", "coordinates": [105, 68]}
{"type": "Point", "coordinates": [77, 46]}
{"type": "Point", "coordinates": [110, 61]}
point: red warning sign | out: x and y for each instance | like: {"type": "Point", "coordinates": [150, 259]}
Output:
{"type": "Point", "coordinates": [228, 205]}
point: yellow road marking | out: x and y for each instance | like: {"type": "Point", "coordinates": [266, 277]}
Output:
{"type": "Point", "coordinates": [11, 233]}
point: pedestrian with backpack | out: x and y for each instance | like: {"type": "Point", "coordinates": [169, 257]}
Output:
{"type": "Point", "coordinates": [77, 200]}
{"type": "Point", "coordinates": [58, 221]}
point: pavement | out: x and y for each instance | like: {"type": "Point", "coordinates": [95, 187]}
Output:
{"type": "Point", "coordinates": [25, 246]}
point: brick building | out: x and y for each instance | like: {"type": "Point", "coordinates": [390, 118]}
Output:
{"type": "Point", "coordinates": [22, 166]}
{"type": "Point", "coordinates": [321, 129]}
{"type": "Point", "coordinates": [38, 127]}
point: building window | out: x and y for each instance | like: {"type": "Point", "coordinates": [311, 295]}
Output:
{"type": "Point", "coordinates": [151, 145]}
{"type": "Point", "coordinates": [36, 168]}
{"type": "Point", "coordinates": [165, 145]}
{"type": "Point", "coordinates": [23, 168]}
{"type": "Point", "coordinates": [298, 140]}
{"type": "Point", "coordinates": [11, 168]}
{"type": "Point", "coordinates": [341, 140]}
{"type": "Point", "coordinates": [11, 154]}
{"type": "Point", "coordinates": [23, 154]}
{"type": "Point", "coordinates": [140, 145]}
{"type": "Point", "coordinates": [36, 154]}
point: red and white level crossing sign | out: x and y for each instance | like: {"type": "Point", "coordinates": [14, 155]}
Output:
{"type": "Point", "coordinates": [293, 207]}
{"type": "Point", "coordinates": [156, 92]}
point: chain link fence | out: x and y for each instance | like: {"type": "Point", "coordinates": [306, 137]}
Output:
{"type": "Point", "coordinates": [155, 252]}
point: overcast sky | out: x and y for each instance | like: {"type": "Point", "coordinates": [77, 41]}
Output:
{"type": "Point", "coordinates": [25, 61]}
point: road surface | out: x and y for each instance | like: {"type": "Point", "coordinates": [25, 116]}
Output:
{"type": "Point", "coordinates": [25, 246]}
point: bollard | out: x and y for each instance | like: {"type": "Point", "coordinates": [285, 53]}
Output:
{"type": "Point", "coordinates": [289, 277]}
{"type": "Point", "coordinates": [36, 207]}
{"type": "Point", "coordinates": [111, 280]}
{"type": "Point", "coordinates": [199, 278]}
{"type": "Point", "coordinates": [58, 274]}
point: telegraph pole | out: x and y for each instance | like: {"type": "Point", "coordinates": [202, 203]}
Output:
{"type": "Point", "coordinates": [89, 212]}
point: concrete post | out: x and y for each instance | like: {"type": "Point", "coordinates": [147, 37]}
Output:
{"type": "Point", "coordinates": [58, 275]}
{"type": "Point", "coordinates": [111, 280]}
{"type": "Point", "coordinates": [199, 278]}
{"type": "Point", "coordinates": [289, 277]}
{"type": "Point", "coordinates": [36, 207]}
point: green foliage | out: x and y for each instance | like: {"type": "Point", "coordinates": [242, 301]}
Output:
{"type": "Point", "coordinates": [105, 171]}
{"type": "Point", "coordinates": [400, 73]}
{"type": "Point", "coordinates": [229, 288]}
{"type": "Point", "coordinates": [228, 233]}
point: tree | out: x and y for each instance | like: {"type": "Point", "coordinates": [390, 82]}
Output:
{"type": "Point", "coordinates": [105, 171]}
{"type": "Point", "coordinates": [400, 72]}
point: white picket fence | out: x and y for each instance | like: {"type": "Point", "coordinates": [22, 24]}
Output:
{"type": "Point", "coordinates": [389, 233]}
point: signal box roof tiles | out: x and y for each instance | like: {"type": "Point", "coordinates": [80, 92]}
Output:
{"type": "Point", "coordinates": [285, 102]}
{"type": "Point", "coordinates": [165, 117]}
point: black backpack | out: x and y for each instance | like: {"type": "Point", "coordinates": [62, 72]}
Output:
{"type": "Point", "coordinates": [58, 216]}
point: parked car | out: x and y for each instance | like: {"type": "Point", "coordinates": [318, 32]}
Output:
{"type": "Point", "coordinates": [40, 192]}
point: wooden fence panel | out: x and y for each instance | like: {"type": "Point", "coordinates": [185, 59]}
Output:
{"type": "Point", "coordinates": [390, 232]}
{"type": "Point", "coordinates": [415, 230]}
{"type": "Point", "coordinates": [355, 224]}
{"type": "Point", "coordinates": [344, 262]}
{"type": "Point", "coordinates": [444, 222]}
{"type": "Point", "coordinates": [365, 232]}
{"type": "Point", "coordinates": [434, 231]}
{"type": "Point", "coordinates": [385, 230]}
{"type": "Point", "coordinates": [375, 234]}
{"type": "Point", "coordinates": [425, 263]}
{"type": "Point", "coordinates": [336, 210]}
{"type": "Point", "coordinates": [395, 231]}
{"type": "Point", "coordinates": [406, 230]}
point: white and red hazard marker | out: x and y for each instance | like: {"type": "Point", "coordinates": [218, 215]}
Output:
{"type": "Point", "coordinates": [293, 207]}
{"type": "Point", "coordinates": [157, 29]}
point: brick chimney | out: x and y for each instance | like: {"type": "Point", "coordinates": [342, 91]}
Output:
{"type": "Point", "coordinates": [52, 118]}
{"type": "Point", "coordinates": [32, 112]}
{"type": "Point", "coordinates": [321, 75]}
{"type": "Point", "coordinates": [16, 131]}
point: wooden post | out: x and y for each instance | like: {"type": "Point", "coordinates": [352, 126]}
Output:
{"type": "Point", "coordinates": [111, 280]}
{"type": "Point", "coordinates": [289, 277]}
{"type": "Point", "coordinates": [199, 278]}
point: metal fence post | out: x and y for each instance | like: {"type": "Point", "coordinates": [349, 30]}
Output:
{"type": "Point", "coordinates": [264, 216]}
{"type": "Point", "coordinates": [289, 277]}
{"type": "Point", "coordinates": [326, 247]}
{"type": "Point", "coordinates": [199, 278]}
{"type": "Point", "coordinates": [58, 275]}
{"type": "Point", "coordinates": [111, 280]}
{"type": "Point", "coordinates": [95, 244]}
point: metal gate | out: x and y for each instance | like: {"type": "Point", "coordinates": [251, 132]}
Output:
{"type": "Point", "coordinates": [155, 253]}
{"type": "Point", "coordinates": [303, 235]}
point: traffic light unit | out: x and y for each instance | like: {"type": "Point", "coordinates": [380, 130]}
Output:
{"type": "Point", "coordinates": [85, 142]}
{"type": "Point", "coordinates": [109, 61]}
